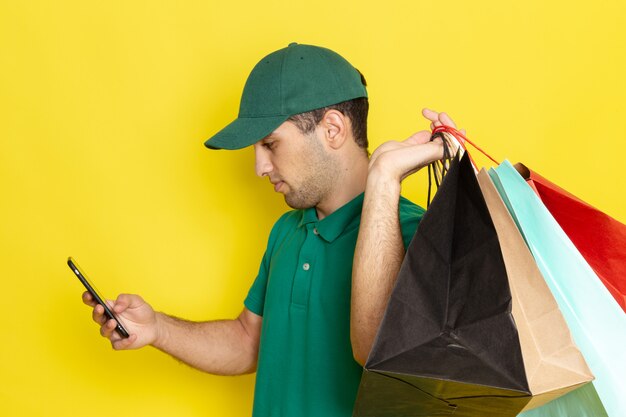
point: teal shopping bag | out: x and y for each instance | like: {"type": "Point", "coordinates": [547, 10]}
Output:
{"type": "Point", "coordinates": [596, 321]}
{"type": "Point", "coordinates": [582, 402]}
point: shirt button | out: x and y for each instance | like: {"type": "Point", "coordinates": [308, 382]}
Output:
{"type": "Point", "coordinates": [306, 266]}
{"type": "Point", "coordinates": [315, 231]}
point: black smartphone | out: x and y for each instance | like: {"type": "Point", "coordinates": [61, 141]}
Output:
{"type": "Point", "coordinates": [94, 293]}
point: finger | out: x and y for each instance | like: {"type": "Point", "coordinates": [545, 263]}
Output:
{"type": "Point", "coordinates": [124, 343]}
{"type": "Point", "coordinates": [88, 299]}
{"type": "Point", "coordinates": [446, 120]}
{"type": "Point", "coordinates": [130, 300]}
{"type": "Point", "coordinates": [107, 329]}
{"type": "Point", "coordinates": [98, 314]}
{"type": "Point", "coordinates": [431, 115]}
{"type": "Point", "coordinates": [125, 301]}
{"type": "Point", "coordinates": [429, 152]}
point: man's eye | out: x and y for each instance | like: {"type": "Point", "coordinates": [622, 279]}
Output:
{"type": "Point", "coordinates": [269, 145]}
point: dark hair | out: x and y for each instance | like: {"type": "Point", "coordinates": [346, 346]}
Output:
{"type": "Point", "coordinates": [356, 110]}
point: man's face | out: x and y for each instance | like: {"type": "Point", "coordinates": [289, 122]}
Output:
{"type": "Point", "coordinates": [298, 165]}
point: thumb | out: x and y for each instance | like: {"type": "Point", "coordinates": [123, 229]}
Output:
{"type": "Point", "coordinates": [419, 138]}
{"type": "Point", "coordinates": [125, 301]}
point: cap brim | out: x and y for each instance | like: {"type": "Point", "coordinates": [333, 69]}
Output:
{"type": "Point", "coordinates": [244, 131]}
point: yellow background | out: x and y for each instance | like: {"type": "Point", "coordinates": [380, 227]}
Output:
{"type": "Point", "coordinates": [104, 107]}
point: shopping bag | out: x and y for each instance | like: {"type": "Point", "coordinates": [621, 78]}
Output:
{"type": "Point", "coordinates": [599, 238]}
{"type": "Point", "coordinates": [553, 364]}
{"type": "Point", "coordinates": [447, 344]}
{"type": "Point", "coordinates": [582, 402]}
{"type": "Point", "coordinates": [596, 321]}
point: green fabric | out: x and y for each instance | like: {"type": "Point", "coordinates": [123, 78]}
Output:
{"type": "Point", "coordinates": [290, 81]}
{"type": "Point", "coordinates": [305, 365]}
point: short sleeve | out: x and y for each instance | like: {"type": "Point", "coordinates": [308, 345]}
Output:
{"type": "Point", "coordinates": [410, 215]}
{"type": "Point", "coordinates": [255, 300]}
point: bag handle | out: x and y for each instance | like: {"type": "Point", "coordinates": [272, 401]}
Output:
{"type": "Point", "coordinates": [438, 169]}
{"type": "Point", "coordinates": [461, 139]}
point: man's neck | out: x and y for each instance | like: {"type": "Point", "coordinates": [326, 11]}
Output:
{"type": "Point", "coordinates": [350, 184]}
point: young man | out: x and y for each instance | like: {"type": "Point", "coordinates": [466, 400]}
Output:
{"type": "Point", "coordinates": [309, 318]}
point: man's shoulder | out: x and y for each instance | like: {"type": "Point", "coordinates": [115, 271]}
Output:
{"type": "Point", "coordinates": [409, 209]}
{"type": "Point", "coordinates": [289, 218]}
{"type": "Point", "coordinates": [287, 221]}
{"type": "Point", "coordinates": [410, 215]}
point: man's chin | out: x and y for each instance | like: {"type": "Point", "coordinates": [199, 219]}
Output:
{"type": "Point", "coordinates": [298, 204]}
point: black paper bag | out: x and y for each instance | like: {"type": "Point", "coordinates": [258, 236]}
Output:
{"type": "Point", "coordinates": [448, 342]}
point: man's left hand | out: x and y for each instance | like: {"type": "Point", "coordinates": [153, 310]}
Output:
{"type": "Point", "coordinates": [396, 160]}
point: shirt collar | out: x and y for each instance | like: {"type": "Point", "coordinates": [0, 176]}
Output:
{"type": "Point", "coordinates": [333, 225]}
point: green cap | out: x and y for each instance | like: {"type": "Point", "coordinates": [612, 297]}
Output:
{"type": "Point", "coordinates": [292, 80]}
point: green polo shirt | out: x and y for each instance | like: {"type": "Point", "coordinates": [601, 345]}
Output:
{"type": "Point", "coordinates": [305, 365]}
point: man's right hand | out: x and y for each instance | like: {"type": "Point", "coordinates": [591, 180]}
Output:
{"type": "Point", "coordinates": [137, 316]}
{"type": "Point", "coordinates": [223, 347]}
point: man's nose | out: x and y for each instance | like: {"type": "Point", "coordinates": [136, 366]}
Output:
{"type": "Point", "coordinates": [262, 163]}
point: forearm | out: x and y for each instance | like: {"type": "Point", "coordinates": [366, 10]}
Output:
{"type": "Point", "coordinates": [221, 347]}
{"type": "Point", "coordinates": [378, 255]}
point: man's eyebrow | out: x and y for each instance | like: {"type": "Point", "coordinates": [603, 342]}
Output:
{"type": "Point", "coordinates": [270, 136]}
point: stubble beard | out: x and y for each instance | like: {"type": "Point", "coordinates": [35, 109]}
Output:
{"type": "Point", "coordinates": [309, 194]}
{"type": "Point", "coordinates": [318, 179]}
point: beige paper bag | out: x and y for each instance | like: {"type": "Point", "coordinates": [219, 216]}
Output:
{"type": "Point", "coordinates": [554, 365]}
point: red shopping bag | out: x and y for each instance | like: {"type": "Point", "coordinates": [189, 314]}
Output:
{"type": "Point", "coordinates": [599, 238]}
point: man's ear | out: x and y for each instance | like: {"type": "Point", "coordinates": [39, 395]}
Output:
{"type": "Point", "coordinates": [335, 128]}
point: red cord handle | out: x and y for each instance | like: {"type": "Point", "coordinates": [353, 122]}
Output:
{"type": "Point", "coordinates": [462, 139]}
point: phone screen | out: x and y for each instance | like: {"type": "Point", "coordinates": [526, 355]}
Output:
{"type": "Point", "coordinates": [96, 295]}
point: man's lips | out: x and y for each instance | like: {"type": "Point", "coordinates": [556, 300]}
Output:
{"type": "Point", "coordinates": [277, 185]}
